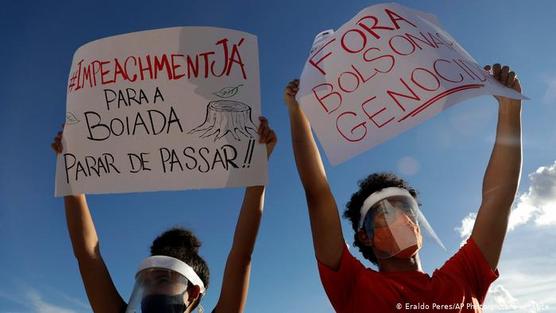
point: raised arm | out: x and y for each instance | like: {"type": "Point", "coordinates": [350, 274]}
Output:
{"type": "Point", "coordinates": [502, 174]}
{"type": "Point", "coordinates": [323, 212]}
{"type": "Point", "coordinates": [235, 283]}
{"type": "Point", "coordinates": [100, 289]}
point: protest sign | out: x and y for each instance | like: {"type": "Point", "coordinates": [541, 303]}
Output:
{"type": "Point", "coordinates": [163, 109]}
{"type": "Point", "coordinates": [385, 71]}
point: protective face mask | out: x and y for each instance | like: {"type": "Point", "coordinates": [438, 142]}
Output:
{"type": "Point", "coordinates": [163, 304]}
{"type": "Point", "coordinates": [401, 239]}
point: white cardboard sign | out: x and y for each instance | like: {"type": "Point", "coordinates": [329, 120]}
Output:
{"type": "Point", "coordinates": [385, 71]}
{"type": "Point", "coordinates": [164, 109]}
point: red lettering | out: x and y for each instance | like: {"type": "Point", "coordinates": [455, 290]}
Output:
{"type": "Point", "coordinates": [361, 36]}
{"type": "Point", "coordinates": [224, 43]}
{"type": "Point", "coordinates": [134, 77]}
{"type": "Point", "coordinates": [466, 70]}
{"type": "Point", "coordinates": [372, 117]}
{"type": "Point", "coordinates": [393, 95]}
{"type": "Point", "coordinates": [414, 39]}
{"type": "Point", "coordinates": [439, 40]}
{"type": "Point", "coordinates": [436, 98]}
{"type": "Point", "coordinates": [470, 68]}
{"type": "Point", "coordinates": [435, 67]}
{"type": "Point", "coordinates": [161, 63]}
{"type": "Point", "coordinates": [316, 64]}
{"type": "Point", "coordinates": [103, 73]}
{"type": "Point", "coordinates": [205, 56]}
{"type": "Point", "coordinates": [424, 70]}
{"type": "Point", "coordinates": [73, 77]}
{"type": "Point", "coordinates": [395, 17]}
{"type": "Point", "coordinates": [371, 28]}
{"type": "Point", "coordinates": [192, 68]}
{"type": "Point", "coordinates": [119, 71]}
{"type": "Point", "coordinates": [391, 41]}
{"type": "Point", "coordinates": [386, 56]}
{"type": "Point", "coordinates": [341, 85]}
{"type": "Point", "coordinates": [329, 94]}
{"type": "Point", "coordinates": [88, 75]}
{"type": "Point", "coordinates": [353, 130]}
{"type": "Point", "coordinates": [176, 65]}
{"type": "Point", "coordinates": [236, 58]}
{"type": "Point", "coordinates": [360, 75]}
{"type": "Point", "coordinates": [80, 65]}
{"type": "Point", "coordinates": [97, 69]}
{"type": "Point", "coordinates": [148, 68]}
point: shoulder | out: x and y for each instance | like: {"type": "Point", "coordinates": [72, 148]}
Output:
{"type": "Point", "coordinates": [469, 267]}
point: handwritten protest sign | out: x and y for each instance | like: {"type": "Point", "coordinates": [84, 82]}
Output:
{"type": "Point", "coordinates": [385, 71]}
{"type": "Point", "coordinates": [164, 109]}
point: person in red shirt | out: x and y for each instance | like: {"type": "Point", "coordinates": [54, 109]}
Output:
{"type": "Point", "coordinates": [384, 216]}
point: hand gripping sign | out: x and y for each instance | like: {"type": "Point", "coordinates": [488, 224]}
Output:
{"type": "Point", "coordinates": [385, 71]}
{"type": "Point", "coordinates": [163, 109]}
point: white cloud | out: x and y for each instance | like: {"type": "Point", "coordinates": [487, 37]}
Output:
{"type": "Point", "coordinates": [466, 226]}
{"type": "Point", "coordinates": [527, 280]}
{"type": "Point", "coordinates": [537, 205]}
{"type": "Point", "coordinates": [499, 297]}
{"type": "Point", "coordinates": [499, 300]}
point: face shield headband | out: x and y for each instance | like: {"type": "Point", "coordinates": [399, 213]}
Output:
{"type": "Point", "coordinates": [173, 264]}
{"type": "Point", "coordinates": [161, 284]}
{"type": "Point", "coordinates": [396, 212]}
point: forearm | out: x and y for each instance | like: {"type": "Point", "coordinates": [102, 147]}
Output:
{"type": "Point", "coordinates": [81, 228]}
{"type": "Point", "coordinates": [235, 282]}
{"type": "Point", "coordinates": [307, 157]}
{"type": "Point", "coordinates": [248, 222]}
{"type": "Point", "coordinates": [100, 289]}
{"type": "Point", "coordinates": [504, 168]}
{"type": "Point", "coordinates": [500, 184]}
{"type": "Point", "coordinates": [326, 229]}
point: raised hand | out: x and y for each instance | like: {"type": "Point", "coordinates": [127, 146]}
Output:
{"type": "Point", "coordinates": [289, 94]}
{"type": "Point", "coordinates": [267, 135]}
{"type": "Point", "coordinates": [506, 77]}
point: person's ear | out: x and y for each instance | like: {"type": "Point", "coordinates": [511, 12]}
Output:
{"type": "Point", "coordinates": [193, 293]}
{"type": "Point", "coordinates": [364, 239]}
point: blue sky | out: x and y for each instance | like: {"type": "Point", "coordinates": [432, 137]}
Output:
{"type": "Point", "coordinates": [444, 158]}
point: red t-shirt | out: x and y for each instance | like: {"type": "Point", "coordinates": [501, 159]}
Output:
{"type": "Point", "coordinates": [460, 285]}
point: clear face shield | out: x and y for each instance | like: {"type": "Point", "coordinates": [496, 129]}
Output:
{"type": "Point", "coordinates": [392, 219]}
{"type": "Point", "coordinates": [161, 286]}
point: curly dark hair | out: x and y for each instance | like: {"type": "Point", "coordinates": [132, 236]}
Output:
{"type": "Point", "coordinates": [182, 244]}
{"type": "Point", "coordinates": [367, 186]}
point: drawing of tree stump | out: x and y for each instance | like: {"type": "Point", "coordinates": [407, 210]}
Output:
{"type": "Point", "coordinates": [226, 116]}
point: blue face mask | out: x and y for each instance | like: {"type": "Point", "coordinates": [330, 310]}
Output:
{"type": "Point", "coordinates": [163, 304]}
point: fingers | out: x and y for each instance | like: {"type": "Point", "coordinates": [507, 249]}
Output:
{"type": "Point", "coordinates": [516, 85]}
{"type": "Point", "coordinates": [511, 79]}
{"type": "Point", "coordinates": [292, 88]}
{"type": "Point", "coordinates": [57, 143]}
{"type": "Point", "coordinates": [54, 147]}
{"type": "Point", "coordinates": [57, 146]}
{"type": "Point", "coordinates": [263, 130]}
{"type": "Point", "coordinates": [271, 139]}
{"type": "Point", "coordinates": [266, 134]}
{"type": "Point", "coordinates": [504, 75]}
{"type": "Point", "coordinates": [496, 71]}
